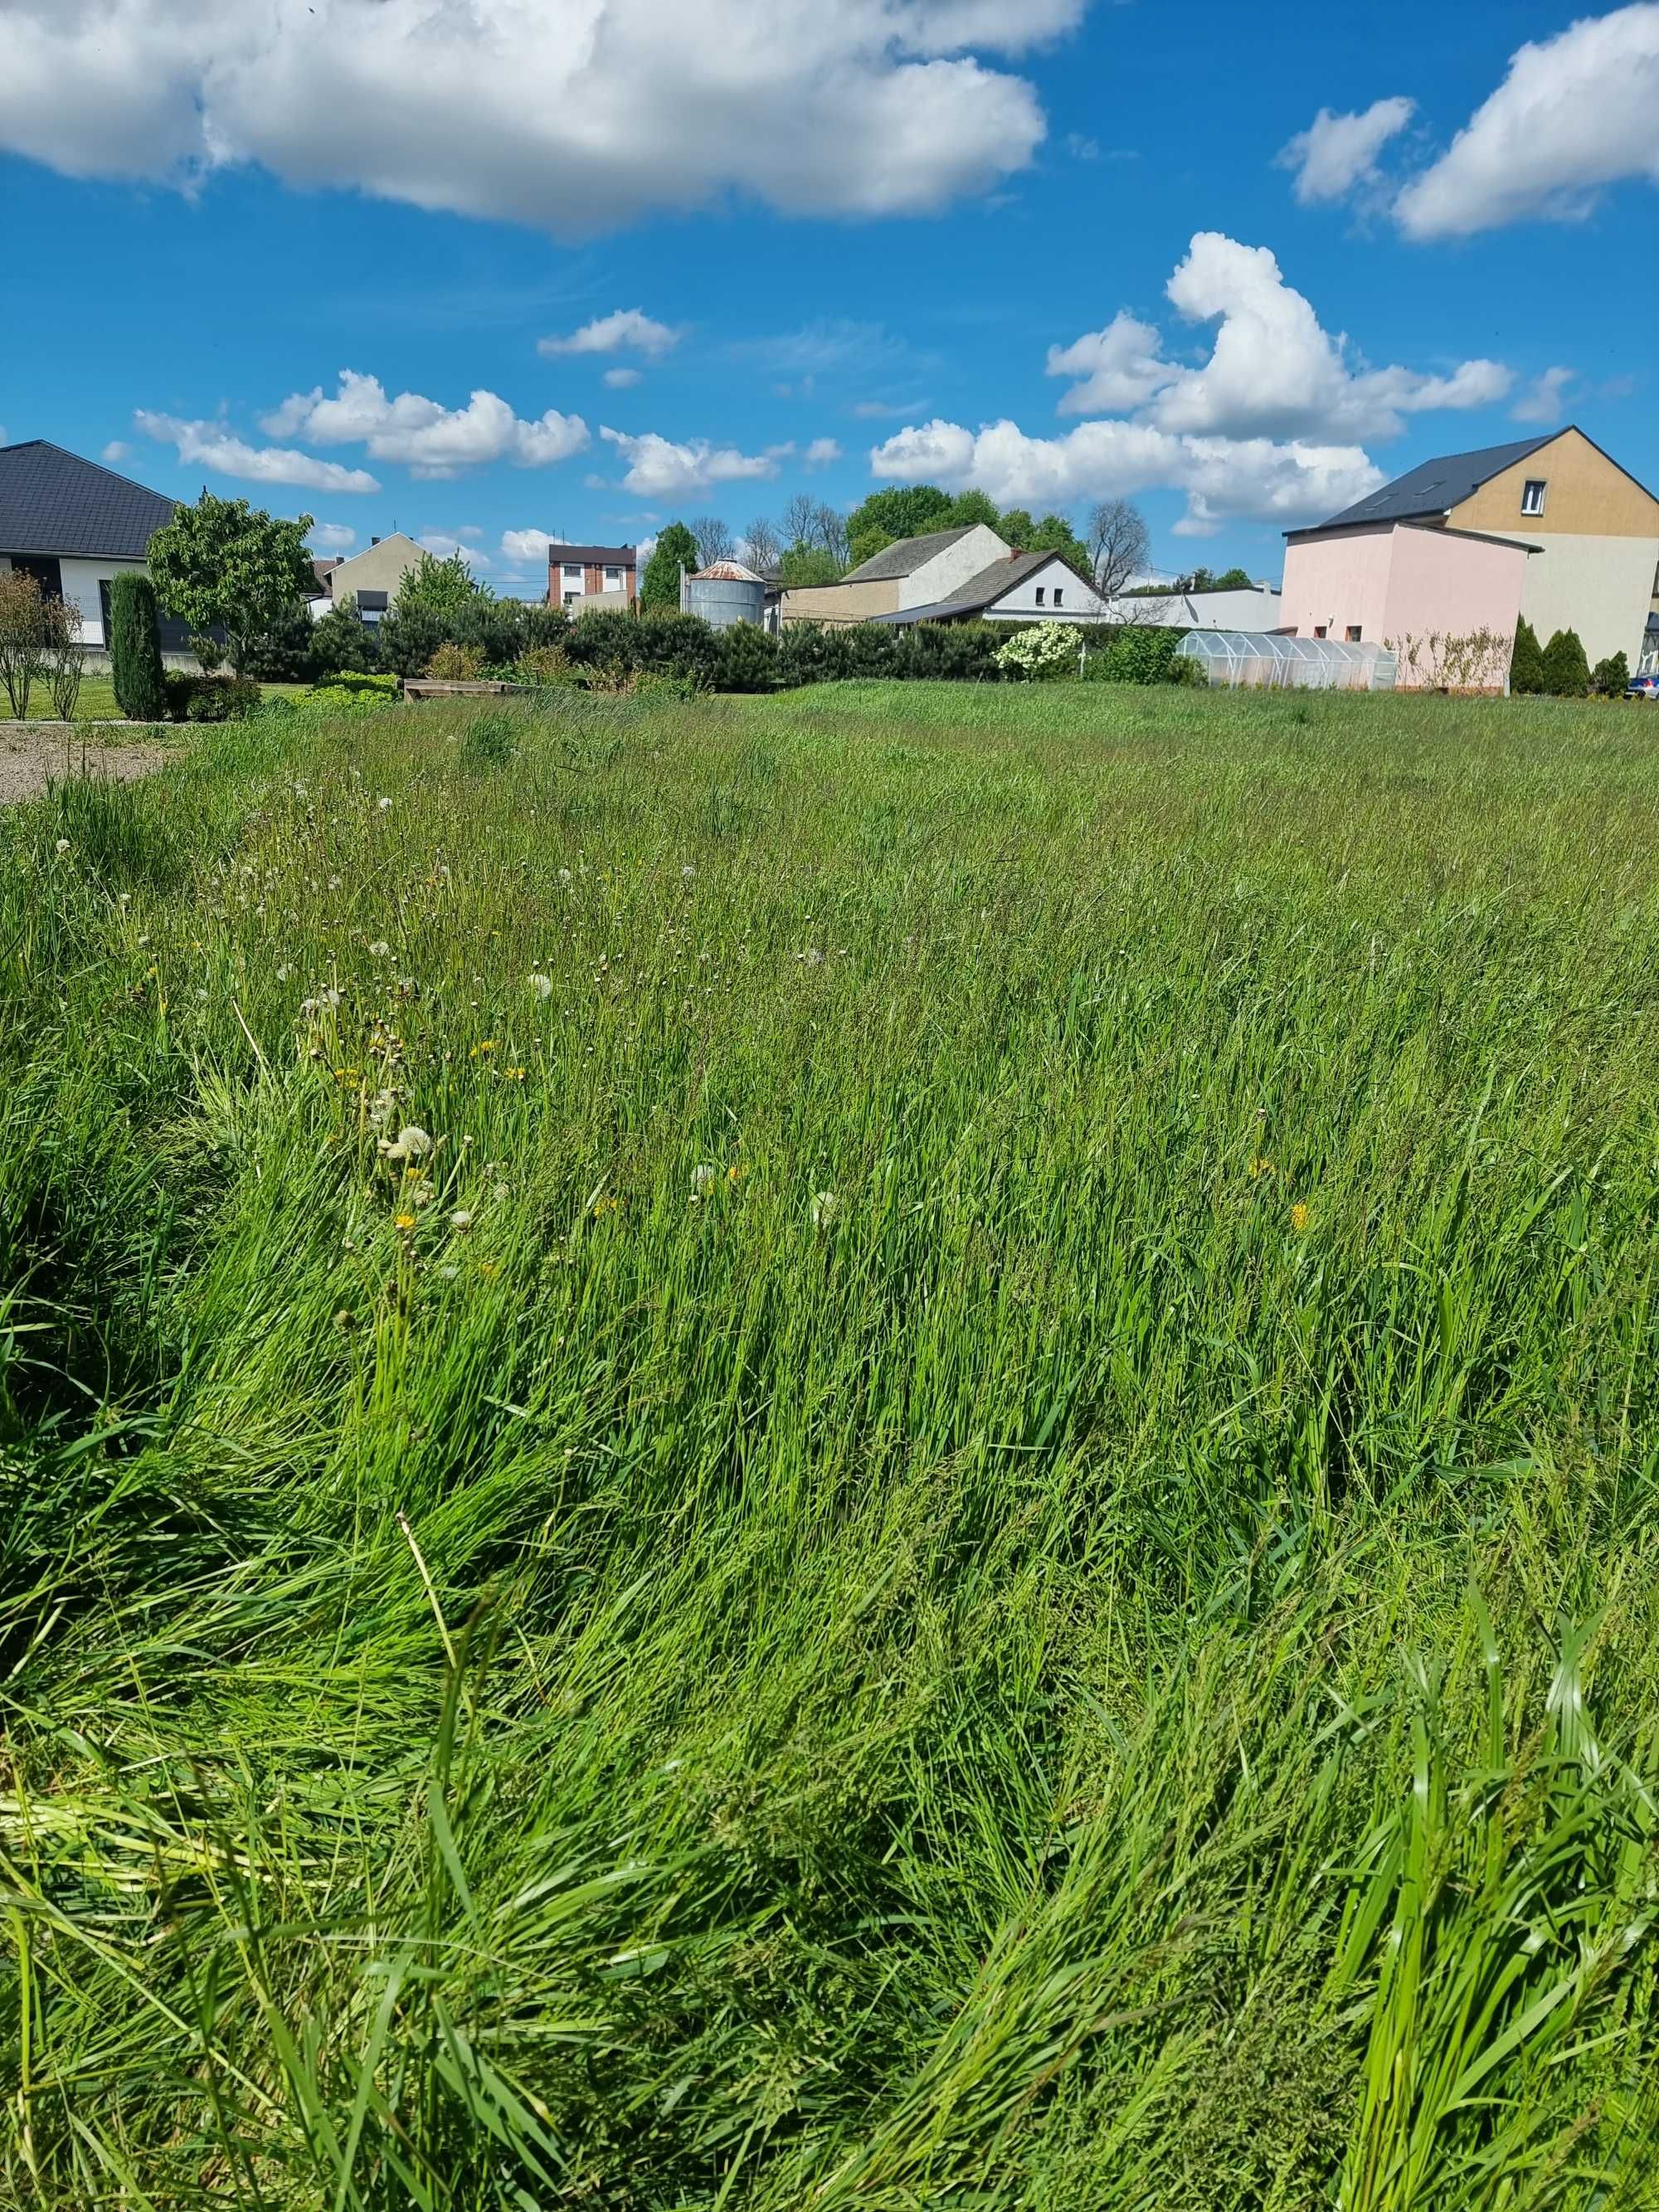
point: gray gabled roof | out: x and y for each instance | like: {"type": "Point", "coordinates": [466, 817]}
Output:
{"type": "Point", "coordinates": [906, 556]}
{"type": "Point", "coordinates": [1437, 486]}
{"type": "Point", "coordinates": [984, 590]}
{"type": "Point", "coordinates": [53, 502]}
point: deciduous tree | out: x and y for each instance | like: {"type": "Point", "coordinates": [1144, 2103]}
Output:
{"type": "Point", "coordinates": [223, 564]}
{"type": "Point", "coordinates": [714, 540]}
{"type": "Point", "coordinates": [1119, 544]}
{"type": "Point", "coordinates": [660, 588]}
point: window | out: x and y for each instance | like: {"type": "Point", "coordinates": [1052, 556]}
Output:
{"type": "Point", "coordinates": [1060, 594]}
{"type": "Point", "coordinates": [1041, 594]}
{"type": "Point", "coordinates": [573, 568]}
{"type": "Point", "coordinates": [1532, 495]}
{"type": "Point", "coordinates": [1321, 630]}
{"type": "Point", "coordinates": [613, 575]}
{"type": "Point", "coordinates": [1354, 632]}
{"type": "Point", "coordinates": [571, 598]}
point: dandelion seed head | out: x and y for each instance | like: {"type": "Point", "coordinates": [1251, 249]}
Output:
{"type": "Point", "coordinates": [703, 1178]}
{"type": "Point", "coordinates": [542, 986]}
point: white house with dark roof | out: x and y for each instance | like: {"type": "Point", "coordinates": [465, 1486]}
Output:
{"type": "Point", "coordinates": [951, 575]}
{"type": "Point", "coordinates": [76, 526]}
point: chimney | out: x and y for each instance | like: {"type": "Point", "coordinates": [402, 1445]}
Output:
{"type": "Point", "coordinates": [373, 541]}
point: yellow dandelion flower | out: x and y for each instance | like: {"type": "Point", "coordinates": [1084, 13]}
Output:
{"type": "Point", "coordinates": [487, 1045]}
{"type": "Point", "coordinates": [405, 1221]}
{"type": "Point", "coordinates": [736, 1172]}
{"type": "Point", "coordinates": [1299, 1219]}
{"type": "Point", "coordinates": [604, 1206]}
{"type": "Point", "coordinates": [1261, 1167]}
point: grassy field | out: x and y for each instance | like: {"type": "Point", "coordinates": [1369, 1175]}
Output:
{"type": "Point", "coordinates": [96, 703]}
{"type": "Point", "coordinates": [888, 1448]}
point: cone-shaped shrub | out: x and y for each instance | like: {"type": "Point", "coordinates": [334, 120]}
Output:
{"type": "Point", "coordinates": [1527, 667]}
{"type": "Point", "coordinates": [1566, 672]}
{"type": "Point", "coordinates": [134, 649]}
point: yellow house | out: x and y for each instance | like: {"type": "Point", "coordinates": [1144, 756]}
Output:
{"type": "Point", "coordinates": [1597, 569]}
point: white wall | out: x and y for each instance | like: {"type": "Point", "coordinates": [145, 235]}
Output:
{"type": "Point", "coordinates": [1252, 609]}
{"type": "Point", "coordinates": [1079, 604]}
{"type": "Point", "coordinates": [1602, 588]}
{"type": "Point", "coordinates": [955, 566]}
{"type": "Point", "coordinates": [80, 582]}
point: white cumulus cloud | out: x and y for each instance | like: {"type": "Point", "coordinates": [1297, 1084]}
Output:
{"type": "Point", "coordinates": [431, 440]}
{"type": "Point", "coordinates": [117, 450]}
{"type": "Point", "coordinates": [627, 331]}
{"type": "Point", "coordinates": [657, 468]}
{"type": "Point", "coordinates": [1337, 152]}
{"type": "Point", "coordinates": [522, 548]}
{"type": "Point", "coordinates": [331, 537]}
{"type": "Point", "coordinates": [213, 446]}
{"type": "Point", "coordinates": [571, 115]}
{"type": "Point", "coordinates": [622, 379]}
{"type": "Point", "coordinates": [1118, 368]}
{"type": "Point", "coordinates": [1545, 397]}
{"type": "Point", "coordinates": [1223, 478]}
{"type": "Point", "coordinates": [1574, 113]}
{"type": "Point", "coordinates": [821, 453]}
{"type": "Point", "coordinates": [1272, 370]}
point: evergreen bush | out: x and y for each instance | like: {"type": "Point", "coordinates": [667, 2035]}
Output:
{"type": "Point", "coordinates": [1611, 678]}
{"type": "Point", "coordinates": [135, 649]}
{"type": "Point", "coordinates": [747, 661]}
{"type": "Point", "coordinates": [1566, 672]}
{"type": "Point", "coordinates": [1526, 663]}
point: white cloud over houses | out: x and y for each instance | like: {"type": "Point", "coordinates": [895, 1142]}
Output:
{"type": "Point", "coordinates": [1272, 370]}
{"type": "Point", "coordinates": [1336, 153]}
{"type": "Point", "coordinates": [211, 445]}
{"type": "Point", "coordinates": [526, 548]}
{"type": "Point", "coordinates": [572, 118]}
{"type": "Point", "coordinates": [444, 544]}
{"type": "Point", "coordinates": [657, 468]}
{"type": "Point", "coordinates": [117, 450]}
{"type": "Point", "coordinates": [1574, 113]}
{"type": "Point", "coordinates": [430, 440]}
{"type": "Point", "coordinates": [1223, 478]}
{"type": "Point", "coordinates": [331, 537]}
{"type": "Point", "coordinates": [1271, 426]}
{"type": "Point", "coordinates": [1545, 397]}
{"type": "Point", "coordinates": [627, 331]}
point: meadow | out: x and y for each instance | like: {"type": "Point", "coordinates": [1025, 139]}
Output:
{"type": "Point", "coordinates": [890, 1448]}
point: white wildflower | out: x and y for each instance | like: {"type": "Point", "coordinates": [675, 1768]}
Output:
{"type": "Point", "coordinates": [62, 846]}
{"type": "Point", "coordinates": [382, 1107]}
{"type": "Point", "coordinates": [449, 1274]}
{"type": "Point", "coordinates": [823, 1207]}
{"type": "Point", "coordinates": [283, 973]}
{"type": "Point", "coordinates": [385, 805]}
{"type": "Point", "coordinates": [461, 1220]}
{"type": "Point", "coordinates": [542, 986]}
{"type": "Point", "coordinates": [686, 874]}
{"type": "Point", "coordinates": [703, 1178]}
{"type": "Point", "coordinates": [413, 1144]}
{"type": "Point", "coordinates": [378, 950]}
{"type": "Point", "coordinates": [565, 876]}
{"type": "Point", "coordinates": [334, 882]}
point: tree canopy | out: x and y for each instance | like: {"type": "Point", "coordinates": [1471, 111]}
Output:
{"type": "Point", "coordinates": [223, 564]}
{"type": "Point", "coordinates": [442, 586]}
{"type": "Point", "coordinates": [675, 549]}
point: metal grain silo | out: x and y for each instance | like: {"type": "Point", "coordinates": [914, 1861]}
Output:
{"type": "Point", "coordinates": [723, 594]}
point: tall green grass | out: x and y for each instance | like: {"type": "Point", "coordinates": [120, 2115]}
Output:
{"type": "Point", "coordinates": [979, 1534]}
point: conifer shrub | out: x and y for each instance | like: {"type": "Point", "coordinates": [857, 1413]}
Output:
{"type": "Point", "coordinates": [1566, 672]}
{"type": "Point", "coordinates": [134, 649]}
{"type": "Point", "coordinates": [1611, 678]}
{"type": "Point", "coordinates": [1526, 663]}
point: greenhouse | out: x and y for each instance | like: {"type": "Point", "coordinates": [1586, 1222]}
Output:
{"type": "Point", "coordinates": [1265, 659]}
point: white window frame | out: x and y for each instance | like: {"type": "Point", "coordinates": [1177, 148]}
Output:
{"type": "Point", "coordinates": [1541, 486]}
{"type": "Point", "coordinates": [573, 568]}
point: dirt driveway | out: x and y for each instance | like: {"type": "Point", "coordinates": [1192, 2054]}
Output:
{"type": "Point", "coordinates": [30, 755]}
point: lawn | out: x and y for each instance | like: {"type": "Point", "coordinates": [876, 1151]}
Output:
{"type": "Point", "coordinates": [96, 703]}
{"type": "Point", "coordinates": [890, 1448]}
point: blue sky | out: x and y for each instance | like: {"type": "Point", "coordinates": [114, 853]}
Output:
{"type": "Point", "coordinates": [1112, 249]}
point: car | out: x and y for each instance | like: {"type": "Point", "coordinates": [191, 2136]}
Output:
{"type": "Point", "coordinates": [1644, 687]}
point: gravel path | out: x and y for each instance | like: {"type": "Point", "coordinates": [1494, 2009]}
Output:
{"type": "Point", "coordinates": [28, 756]}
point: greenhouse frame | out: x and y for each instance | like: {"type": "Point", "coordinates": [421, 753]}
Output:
{"type": "Point", "coordinates": [1266, 659]}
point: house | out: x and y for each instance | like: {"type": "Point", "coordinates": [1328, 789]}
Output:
{"type": "Point", "coordinates": [1400, 584]}
{"type": "Point", "coordinates": [1259, 608]}
{"type": "Point", "coordinates": [1593, 531]}
{"type": "Point", "coordinates": [1015, 587]}
{"type": "Point", "coordinates": [916, 572]}
{"type": "Point", "coordinates": [372, 578]}
{"type": "Point", "coordinates": [76, 526]}
{"type": "Point", "coordinates": [594, 577]}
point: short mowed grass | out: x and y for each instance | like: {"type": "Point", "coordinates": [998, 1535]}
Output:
{"type": "Point", "coordinates": [891, 1448]}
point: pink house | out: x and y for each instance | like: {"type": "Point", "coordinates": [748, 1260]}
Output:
{"type": "Point", "coordinates": [1421, 590]}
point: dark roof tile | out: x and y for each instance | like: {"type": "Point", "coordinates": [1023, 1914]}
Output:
{"type": "Point", "coordinates": [1437, 486]}
{"type": "Point", "coordinates": [53, 502]}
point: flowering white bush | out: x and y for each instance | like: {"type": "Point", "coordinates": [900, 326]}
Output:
{"type": "Point", "coordinates": [1050, 649]}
